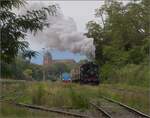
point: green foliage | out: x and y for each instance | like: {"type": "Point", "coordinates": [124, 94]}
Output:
{"type": "Point", "coordinates": [134, 75]}
{"type": "Point", "coordinates": [37, 71]}
{"type": "Point", "coordinates": [14, 27]}
{"type": "Point", "coordinates": [9, 4]}
{"type": "Point", "coordinates": [39, 95]}
{"type": "Point", "coordinates": [106, 72]}
{"type": "Point", "coordinates": [78, 99]}
{"type": "Point", "coordinates": [13, 70]}
{"type": "Point", "coordinates": [114, 56]}
{"type": "Point", "coordinates": [122, 38]}
{"type": "Point", "coordinates": [19, 70]}
{"type": "Point", "coordinates": [57, 94]}
{"type": "Point", "coordinates": [54, 70]}
{"type": "Point", "coordinates": [29, 54]}
{"type": "Point", "coordinates": [131, 74]}
{"type": "Point", "coordinates": [28, 73]}
{"type": "Point", "coordinates": [95, 31]}
{"type": "Point", "coordinates": [6, 70]}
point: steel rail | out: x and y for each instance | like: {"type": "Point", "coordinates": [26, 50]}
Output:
{"type": "Point", "coordinates": [102, 110]}
{"type": "Point", "coordinates": [35, 107]}
{"type": "Point", "coordinates": [127, 107]}
{"type": "Point", "coordinates": [50, 110]}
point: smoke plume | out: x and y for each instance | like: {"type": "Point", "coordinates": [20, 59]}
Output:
{"type": "Point", "coordinates": [62, 34]}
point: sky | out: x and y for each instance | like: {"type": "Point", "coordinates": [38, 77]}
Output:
{"type": "Point", "coordinates": [81, 12]}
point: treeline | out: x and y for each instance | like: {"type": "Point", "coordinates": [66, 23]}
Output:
{"type": "Point", "coordinates": [23, 69]}
{"type": "Point", "coordinates": [122, 41]}
{"type": "Point", "coordinates": [15, 56]}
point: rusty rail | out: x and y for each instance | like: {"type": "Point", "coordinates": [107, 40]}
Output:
{"type": "Point", "coordinates": [127, 107]}
{"type": "Point", "coordinates": [35, 107]}
{"type": "Point", "coordinates": [102, 110]}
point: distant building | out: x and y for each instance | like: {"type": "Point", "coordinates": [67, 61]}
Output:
{"type": "Point", "coordinates": [48, 60]}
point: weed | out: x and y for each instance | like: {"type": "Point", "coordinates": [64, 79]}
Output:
{"type": "Point", "coordinates": [38, 96]}
{"type": "Point", "coordinates": [78, 100]}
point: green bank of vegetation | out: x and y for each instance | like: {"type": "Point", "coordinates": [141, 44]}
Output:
{"type": "Point", "coordinates": [75, 96]}
{"type": "Point", "coordinates": [22, 69]}
{"type": "Point", "coordinates": [122, 42]}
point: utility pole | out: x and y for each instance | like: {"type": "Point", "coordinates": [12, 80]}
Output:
{"type": "Point", "coordinates": [43, 65]}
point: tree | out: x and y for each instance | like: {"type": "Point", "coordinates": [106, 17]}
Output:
{"type": "Point", "coordinates": [14, 27]}
{"type": "Point", "coordinates": [15, 69]}
{"type": "Point", "coordinates": [37, 71]}
{"type": "Point", "coordinates": [28, 54]}
{"type": "Point", "coordinates": [95, 31]}
{"type": "Point", "coordinates": [123, 37]}
{"type": "Point", "coordinates": [123, 34]}
{"type": "Point", "coordinates": [28, 74]}
{"type": "Point", "coordinates": [55, 70]}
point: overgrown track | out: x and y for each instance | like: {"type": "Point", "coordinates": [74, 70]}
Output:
{"type": "Point", "coordinates": [11, 101]}
{"type": "Point", "coordinates": [18, 94]}
{"type": "Point", "coordinates": [127, 107]}
{"type": "Point", "coordinates": [101, 110]}
{"type": "Point", "coordinates": [51, 110]}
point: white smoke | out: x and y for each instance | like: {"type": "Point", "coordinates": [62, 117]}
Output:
{"type": "Point", "coordinates": [62, 34]}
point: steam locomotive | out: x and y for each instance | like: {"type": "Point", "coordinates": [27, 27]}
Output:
{"type": "Point", "coordinates": [86, 74]}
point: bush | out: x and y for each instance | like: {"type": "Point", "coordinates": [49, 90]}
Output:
{"type": "Point", "coordinates": [106, 72]}
{"type": "Point", "coordinates": [132, 74]}
{"type": "Point", "coordinates": [38, 96]}
{"type": "Point", "coordinates": [78, 99]}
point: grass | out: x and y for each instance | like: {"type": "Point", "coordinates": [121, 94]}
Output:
{"type": "Point", "coordinates": [131, 74]}
{"type": "Point", "coordinates": [133, 96]}
{"type": "Point", "coordinates": [57, 94]}
{"type": "Point", "coordinates": [11, 111]}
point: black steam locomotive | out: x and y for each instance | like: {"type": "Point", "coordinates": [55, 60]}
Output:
{"type": "Point", "coordinates": [86, 74]}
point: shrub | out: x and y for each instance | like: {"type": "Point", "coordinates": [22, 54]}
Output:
{"type": "Point", "coordinates": [78, 99]}
{"type": "Point", "coordinates": [38, 95]}
{"type": "Point", "coordinates": [106, 72]}
{"type": "Point", "coordinates": [133, 75]}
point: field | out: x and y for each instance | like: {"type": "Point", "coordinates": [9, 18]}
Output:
{"type": "Point", "coordinates": [61, 95]}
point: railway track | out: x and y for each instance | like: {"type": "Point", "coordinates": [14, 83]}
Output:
{"type": "Point", "coordinates": [114, 109]}
{"type": "Point", "coordinates": [12, 100]}
{"type": "Point", "coordinates": [130, 109]}
{"type": "Point", "coordinates": [105, 114]}
{"type": "Point", "coordinates": [107, 107]}
{"type": "Point", "coordinates": [41, 108]}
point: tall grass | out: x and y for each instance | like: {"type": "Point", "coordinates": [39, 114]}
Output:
{"type": "Point", "coordinates": [78, 99]}
{"type": "Point", "coordinates": [133, 96]}
{"type": "Point", "coordinates": [131, 74]}
{"type": "Point", "coordinates": [39, 95]}
{"type": "Point", "coordinates": [61, 95]}
{"type": "Point", "coordinates": [57, 94]}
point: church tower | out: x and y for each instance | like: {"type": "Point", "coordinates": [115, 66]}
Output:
{"type": "Point", "coordinates": [47, 59]}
